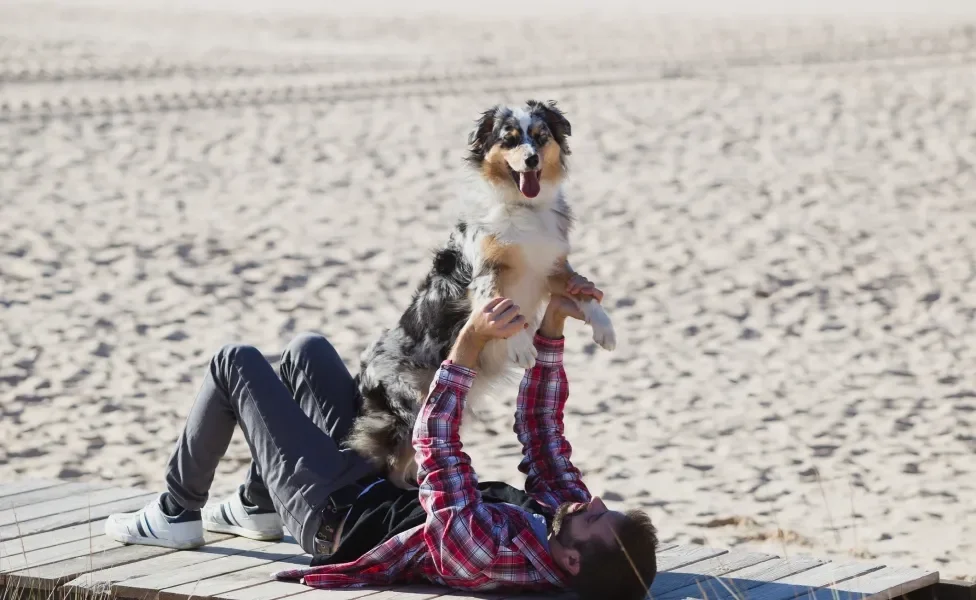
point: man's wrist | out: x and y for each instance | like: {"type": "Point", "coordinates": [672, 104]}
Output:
{"type": "Point", "coordinates": [552, 327]}
{"type": "Point", "coordinates": [467, 349]}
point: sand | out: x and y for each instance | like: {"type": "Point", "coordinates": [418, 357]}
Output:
{"type": "Point", "coordinates": [779, 210]}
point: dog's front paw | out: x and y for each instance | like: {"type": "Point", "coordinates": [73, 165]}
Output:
{"type": "Point", "coordinates": [521, 350]}
{"type": "Point", "coordinates": [603, 332]}
{"type": "Point", "coordinates": [605, 336]}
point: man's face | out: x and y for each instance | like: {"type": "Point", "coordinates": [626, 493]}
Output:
{"type": "Point", "coordinates": [577, 524]}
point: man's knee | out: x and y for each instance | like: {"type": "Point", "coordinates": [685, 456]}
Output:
{"type": "Point", "coordinates": [234, 357]}
{"type": "Point", "coordinates": [303, 348]}
{"type": "Point", "coordinates": [235, 354]}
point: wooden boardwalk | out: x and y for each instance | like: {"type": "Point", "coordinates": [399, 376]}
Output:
{"type": "Point", "coordinates": [52, 544]}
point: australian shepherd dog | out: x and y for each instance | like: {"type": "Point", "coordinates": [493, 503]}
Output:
{"type": "Point", "coordinates": [512, 240]}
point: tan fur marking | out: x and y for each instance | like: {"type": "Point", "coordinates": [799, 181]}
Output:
{"type": "Point", "coordinates": [495, 167]}
{"type": "Point", "coordinates": [552, 166]}
{"type": "Point", "coordinates": [509, 260]}
{"type": "Point", "coordinates": [493, 251]}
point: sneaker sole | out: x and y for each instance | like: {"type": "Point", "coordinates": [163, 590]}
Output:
{"type": "Point", "coordinates": [261, 536]}
{"type": "Point", "coordinates": [142, 541]}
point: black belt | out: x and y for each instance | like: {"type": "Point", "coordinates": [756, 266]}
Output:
{"type": "Point", "coordinates": [332, 517]}
{"type": "Point", "coordinates": [336, 509]}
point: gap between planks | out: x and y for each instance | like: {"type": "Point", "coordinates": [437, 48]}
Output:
{"type": "Point", "coordinates": [40, 541]}
{"type": "Point", "coordinates": [734, 583]}
{"type": "Point", "coordinates": [33, 496]}
{"type": "Point", "coordinates": [19, 487]}
{"type": "Point", "coordinates": [90, 498]}
{"type": "Point", "coordinates": [60, 520]}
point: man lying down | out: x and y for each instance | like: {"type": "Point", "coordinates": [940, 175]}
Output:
{"type": "Point", "coordinates": [360, 528]}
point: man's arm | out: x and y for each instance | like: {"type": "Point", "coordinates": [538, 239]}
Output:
{"type": "Point", "coordinates": [461, 532]}
{"type": "Point", "coordinates": [551, 477]}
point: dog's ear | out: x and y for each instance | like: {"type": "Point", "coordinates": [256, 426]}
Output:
{"type": "Point", "coordinates": [555, 120]}
{"type": "Point", "coordinates": [479, 140]}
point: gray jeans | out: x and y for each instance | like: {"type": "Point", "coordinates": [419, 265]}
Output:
{"type": "Point", "coordinates": [294, 426]}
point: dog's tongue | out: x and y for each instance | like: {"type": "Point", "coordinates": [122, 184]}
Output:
{"type": "Point", "coordinates": [529, 183]}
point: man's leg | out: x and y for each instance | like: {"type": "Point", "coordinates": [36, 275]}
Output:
{"type": "Point", "coordinates": [299, 464]}
{"type": "Point", "coordinates": [319, 382]}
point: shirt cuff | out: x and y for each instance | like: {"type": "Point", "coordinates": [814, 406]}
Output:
{"type": "Point", "coordinates": [454, 375]}
{"type": "Point", "coordinates": [550, 351]}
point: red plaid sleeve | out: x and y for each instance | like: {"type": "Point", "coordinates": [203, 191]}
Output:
{"type": "Point", "coordinates": [460, 531]}
{"type": "Point", "coordinates": [551, 477]}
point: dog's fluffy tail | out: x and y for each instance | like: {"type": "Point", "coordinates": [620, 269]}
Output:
{"type": "Point", "coordinates": [378, 436]}
{"type": "Point", "coordinates": [383, 431]}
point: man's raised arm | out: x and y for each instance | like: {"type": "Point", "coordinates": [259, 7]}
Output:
{"type": "Point", "coordinates": [460, 530]}
{"type": "Point", "coordinates": [551, 477]}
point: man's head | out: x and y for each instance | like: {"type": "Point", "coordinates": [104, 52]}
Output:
{"type": "Point", "coordinates": [607, 554]}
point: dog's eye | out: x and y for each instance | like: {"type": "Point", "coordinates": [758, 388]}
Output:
{"type": "Point", "coordinates": [510, 141]}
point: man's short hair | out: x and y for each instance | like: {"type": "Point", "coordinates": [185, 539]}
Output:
{"type": "Point", "coordinates": [623, 571]}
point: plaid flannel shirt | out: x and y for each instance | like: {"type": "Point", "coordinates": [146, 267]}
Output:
{"type": "Point", "coordinates": [465, 543]}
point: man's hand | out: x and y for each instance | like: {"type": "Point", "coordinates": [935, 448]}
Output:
{"type": "Point", "coordinates": [499, 319]}
{"type": "Point", "coordinates": [562, 307]}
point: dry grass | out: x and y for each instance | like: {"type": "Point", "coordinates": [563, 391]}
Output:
{"type": "Point", "coordinates": [18, 592]}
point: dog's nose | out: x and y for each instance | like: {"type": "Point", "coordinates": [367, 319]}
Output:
{"type": "Point", "coordinates": [532, 161]}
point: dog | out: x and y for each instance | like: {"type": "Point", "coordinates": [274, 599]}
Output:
{"type": "Point", "coordinates": [512, 240]}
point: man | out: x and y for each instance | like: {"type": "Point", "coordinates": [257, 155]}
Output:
{"type": "Point", "coordinates": [360, 529]}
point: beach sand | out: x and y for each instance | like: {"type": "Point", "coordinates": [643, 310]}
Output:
{"type": "Point", "coordinates": [779, 210]}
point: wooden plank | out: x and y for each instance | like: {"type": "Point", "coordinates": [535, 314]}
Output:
{"type": "Point", "coordinates": [682, 555]}
{"type": "Point", "coordinates": [229, 582]}
{"type": "Point", "coordinates": [805, 583]}
{"type": "Point", "coordinates": [552, 596]}
{"type": "Point", "coordinates": [273, 590]}
{"type": "Point", "coordinates": [464, 595]}
{"type": "Point", "coordinates": [62, 490]}
{"type": "Point", "coordinates": [412, 592]}
{"type": "Point", "coordinates": [20, 487]}
{"type": "Point", "coordinates": [73, 517]}
{"type": "Point", "coordinates": [889, 582]}
{"type": "Point", "coordinates": [44, 556]}
{"type": "Point", "coordinates": [76, 500]}
{"type": "Point", "coordinates": [736, 583]}
{"type": "Point", "coordinates": [230, 573]}
{"type": "Point", "coordinates": [718, 566]}
{"type": "Point", "coordinates": [343, 594]}
{"type": "Point", "coordinates": [51, 576]}
{"type": "Point", "coordinates": [102, 578]}
{"type": "Point", "coordinates": [52, 538]}
{"type": "Point", "coordinates": [149, 586]}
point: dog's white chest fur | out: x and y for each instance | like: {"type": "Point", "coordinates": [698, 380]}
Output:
{"type": "Point", "coordinates": [537, 233]}
{"type": "Point", "coordinates": [539, 236]}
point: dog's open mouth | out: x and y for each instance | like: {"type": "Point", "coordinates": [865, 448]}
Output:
{"type": "Point", "coordinates": [527, 182]}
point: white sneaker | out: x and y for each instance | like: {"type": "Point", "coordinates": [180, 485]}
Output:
{"type": "Point", "coordinates": [231, 516]}
{"type": "Point", "coordinates": [151, 526]}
